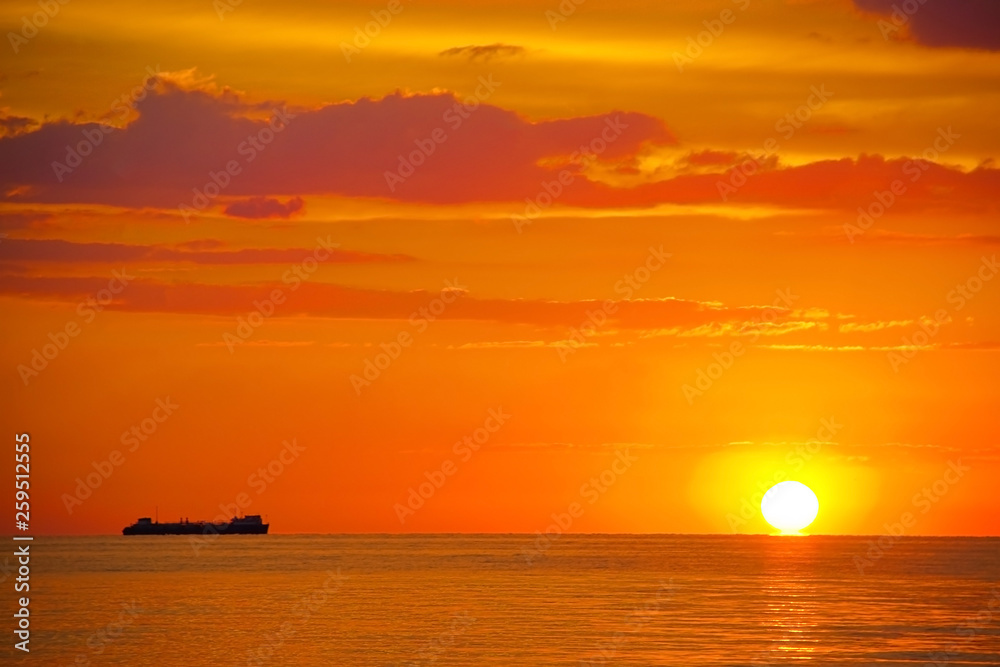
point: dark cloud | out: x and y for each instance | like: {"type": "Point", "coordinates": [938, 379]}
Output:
{"type": "Point", "coordinates": [192, 148]}
{"type": "Point", "coordinates": [24, 219]}
{"type": "Point", "coordinates": [342, 302]}
{"type": "Point", "coordinates": [183, 140]}
{"type": "Point", "coordinates": [264, 207]}
{"type": "Point", "coordinates": [486, 52]}
{"type": "Point", "coordinates": [843, 184]}
{"type": "Point", "coordinates": [940, 23]}
{"type": "Point", "coordinates": [204, 251]}
{"type": "Point", "coordinates": [11, 125]}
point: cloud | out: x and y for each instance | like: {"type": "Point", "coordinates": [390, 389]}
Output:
{"type": "Point", "coordinates": [186, 143]}
{"type": "Point", "coordinates": [758, 329]}
{"type": "Point", "coordinates": [588, 447]}
{"type": "Point", "coordinates": [264, 207]}
{"type": "Point", "coordinates": [342, 302]}
{"type": "Point", "coordinates": [506, 345]}
{"type": "Point", "coordinates": [592, 447]}
{"type": "Point", "coordinates": [183, 140]}
{"type": "Point", "coordinates": [984, 346]}
{"type": "Point", "coordinates": [836, 235]}
{"type": "Point", "coordinates": [712, 158]}
{"type": "Point", "coordinates": [905, 238]}
{"type": "Point", "coordinates": [11, 125]}
{"type": "Point", "coordinates": [940, 23]}
{"type": "Point", "coordinates": [869, 327]}
{"type": "Point", "coordinates": [838, 184]}
{"type": "Point", "coordinates": [262, 343]}
{"type": "Point", "coordinates": [785, 444]}
{"type": "Point", "coordinates": [485, 53]}
{"type": "Point", "coordinates": [23, 219]}
{"type": "Point", "coordinates": [980, 346]}
{"type": "Point", "coordinates": [205, 251]}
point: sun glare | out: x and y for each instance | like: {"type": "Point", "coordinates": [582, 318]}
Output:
{"type": "Point", "coordinates": [789, 506]}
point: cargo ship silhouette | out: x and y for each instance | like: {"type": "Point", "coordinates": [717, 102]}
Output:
{"type": "Point", "coordinates": [251, 524]}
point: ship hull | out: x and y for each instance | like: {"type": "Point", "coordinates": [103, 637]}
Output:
{"type": "Point", "coordinates": [195, 529]}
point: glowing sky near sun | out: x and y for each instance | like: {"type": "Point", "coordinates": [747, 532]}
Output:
{"type": "Point", "coordinates": [730, 243]}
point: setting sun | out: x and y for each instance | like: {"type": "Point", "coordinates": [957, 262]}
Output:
{"type": "Point", "coordinates": [789, 506]}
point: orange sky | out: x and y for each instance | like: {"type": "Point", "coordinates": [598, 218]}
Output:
{"type": "Point", "coordinates": [498, 250]}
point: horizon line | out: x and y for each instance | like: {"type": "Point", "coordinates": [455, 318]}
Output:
{"type": "Point", "coordinates": [534, 534]}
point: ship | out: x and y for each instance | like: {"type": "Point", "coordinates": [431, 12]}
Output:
{"type": "Point", "coordinates": [252, 524]}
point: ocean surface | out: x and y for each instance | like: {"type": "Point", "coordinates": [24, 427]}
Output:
{"type": "Point", "coordinates": [503, 600]}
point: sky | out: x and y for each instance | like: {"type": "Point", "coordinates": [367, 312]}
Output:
{"type": "Point", "coordinates": [589, 266]}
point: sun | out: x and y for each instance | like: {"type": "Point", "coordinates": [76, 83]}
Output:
{"type": "Point", "coordinates": [789, 506]}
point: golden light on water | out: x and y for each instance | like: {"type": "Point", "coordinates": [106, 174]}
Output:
{"type": "Point", "coordinates": [789, 506]}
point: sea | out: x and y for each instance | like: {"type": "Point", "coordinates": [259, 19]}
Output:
{"type": "Point", "coordinates": [511, 600]}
